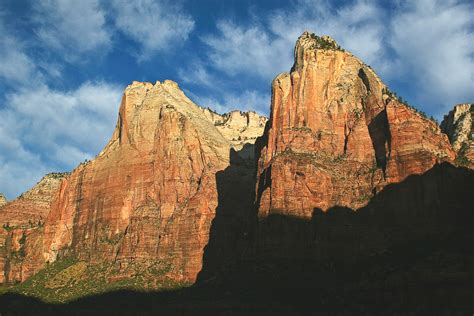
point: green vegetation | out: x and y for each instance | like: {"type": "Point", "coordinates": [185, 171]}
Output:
{"type": "Point", "coordinates": [461, 159]}
{"type": "Point", "coordinates": [325, 43]}
{"type": "Point", "coordinates": [394, 95]}
{"type": "Point", "coordinates": [70, 278]}
{"type": "Point", "coordinates": [7, 227]}
{"type": "Point", "coordinates": [58, 175]}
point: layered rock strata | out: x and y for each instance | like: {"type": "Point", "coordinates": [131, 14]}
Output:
{"type": "Point", "coordinates": [21, 229]}
{"type": "Point", "coordinates": [337, 135]}
{"type": "Point", "coordinates": [149, 198]}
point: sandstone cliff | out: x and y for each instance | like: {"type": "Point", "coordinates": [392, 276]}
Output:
{"type": "Point", "coordinates": [240, 128]}
{"type": "Point", "coordinates": [350, 182]}
{"type": "Point", "coordinates": [459, 126]}
{"type": "Point", "coordinates": [148, 199]}
{"type": "Point", "coordinates": [337, 135]}
{"type": "Point", "coordinates": [21, 231]}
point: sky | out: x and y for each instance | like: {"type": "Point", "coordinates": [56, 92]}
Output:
{"type": "Point", "coordinates": [65, 63]}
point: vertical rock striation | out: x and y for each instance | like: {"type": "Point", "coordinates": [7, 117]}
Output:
{"type": "Point", "coordinates": [337, 135]}
{"type": "Point", "coordinates": [147, 200]}
{"type": "Point", "coordinates": [21, 229]}
{"type": "Point", "coordinates": [150, 195]}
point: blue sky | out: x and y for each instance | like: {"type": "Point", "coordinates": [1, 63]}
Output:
{"type": "Point", "coordinates": [65, 63]}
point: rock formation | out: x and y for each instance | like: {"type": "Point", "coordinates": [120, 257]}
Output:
{"type": "Point", "coordinates": [337, 135]}
{"type": "Point", "coordinates": [346, 184]}
{"type": "Point", "coordinates": [3, 200]}
{"type": "Point", "coordinates": [459, 126]}
{"type": "Point", "coordinates": [21, 231]}
{"type": "Point", "coordinates": [148, 199]}
{"type": "Point", "coordinates": [240, 128]}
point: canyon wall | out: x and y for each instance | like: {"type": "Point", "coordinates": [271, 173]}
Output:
{"type": "Point", "coordinates": [21, 229]}
{"type": "Point", "coordinates": [337, 135]}
{"type": "Point", "coordinates": [148, 199]}
{"type": "Point", "coordinates": [343, 169]}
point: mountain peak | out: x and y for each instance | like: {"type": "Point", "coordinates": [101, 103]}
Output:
{"type": "Point", "coordinates": [317, 42]}
{"type": "Point", "coordinates": [308, 45]}
{"type": "Point", "coordinates": [332, 111]}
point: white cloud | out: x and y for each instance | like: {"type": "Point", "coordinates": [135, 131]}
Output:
{"type": "Point", "coordinates": [155, 25]}
{"type": "Point", "coordinates": [72, 28]}
{"type": "Point", "coordinates": [249, 49]}
{"type": "Point", "coordinates": [434, 42]}
{"type": "Point", "coordinates": [265, 48]}
{"type": "Point", "coordinates": [44, 129]}
{"type": "Point", "coordinates": [429, 43]}
{"type": "Point", "coordinates": [15, 65]}
{"type": "Point", "coordinates": [197, 74]}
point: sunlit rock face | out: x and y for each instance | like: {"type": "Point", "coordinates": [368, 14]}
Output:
{"type": "Point", "coordinates": [459, 126]}
{"type": "Point", "coordinates": [3, 200]}
{"type": "Point", "coordinates": [240, 128]}
{"type": "Point", "coordinates": [337, 135]}
{"type": "Point", "coordinates": [151, 194]}
{"type": "Point", "coordinates": [175, 187]}
{"type": "Point", "coordinates": [148, 198]}
{"type": "Point", "coordinates": [21, 229]}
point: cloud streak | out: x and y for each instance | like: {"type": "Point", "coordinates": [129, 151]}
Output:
{"type": "Point", "coordinates": [73, 29]}
{"type": "Point", "coordinates": [155, 25]}
{"type": "Point", "coordinates": [45, 129]}
{"type": "Point", "coordinates": [428, 43]}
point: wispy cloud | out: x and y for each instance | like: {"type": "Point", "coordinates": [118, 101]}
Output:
{"type": "Point", "coordinates": [429, 43]}
{"type": "Point", "coordinates": [71, 28]}
{"type": "Point", "coordinates": [434, 44]}
{"type": "Point", "coordinates": [155, 25]}
{"type": "Point", "coordinates": [45, 129]}
{"type": "Point", "coordinates": [247, 49]}
{"type": "Point", "coordinates": [15, 65]}
{"type": "Point", "coordinates": [248, 100]}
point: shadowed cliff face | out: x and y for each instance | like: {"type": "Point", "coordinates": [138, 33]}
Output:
{"type": "Point", "coordinates": [407, 251]}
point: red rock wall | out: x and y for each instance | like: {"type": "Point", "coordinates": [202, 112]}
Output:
{"type": "Point", "coordinates": [336, 136]}
{"type": "Point", "coordinates": [151, 194]}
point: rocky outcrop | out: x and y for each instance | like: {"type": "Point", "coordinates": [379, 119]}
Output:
{"type": "Point", "coordinates": [459, 126]}
{"type": "Point", "coordinates": [240, 128]}
{"type": "Point", "coordinates": [3, 200]}
{"type": "Point", "coordinates": [21, 232]}
{"type": "Point", "coordinates": [337, 135]}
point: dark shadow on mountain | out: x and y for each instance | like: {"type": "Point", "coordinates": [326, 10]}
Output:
{"type": "Point", "coordinates": [380, 135]}
{"type": "Point", "coordinates": [409, 251]}
{"type": "Point", "coordinates": [233, 227]}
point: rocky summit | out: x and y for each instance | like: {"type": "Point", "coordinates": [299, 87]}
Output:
{"type": "Point", "coordinates": [345, 191]}
{"type": "Point", "coordinates": [337, 135]}
{"type": "Point", "coordinates": [459, 126]}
